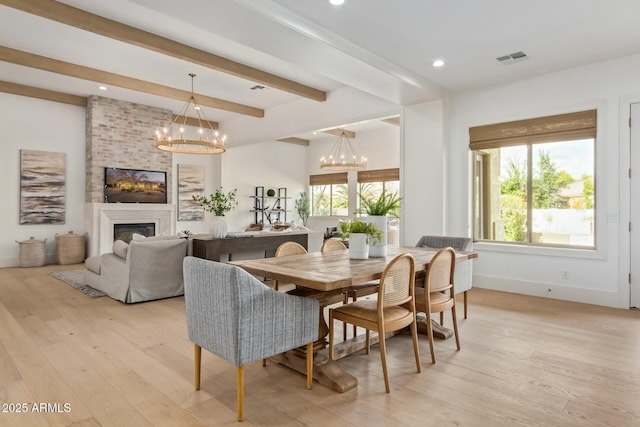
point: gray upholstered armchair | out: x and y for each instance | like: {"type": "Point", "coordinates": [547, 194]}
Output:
{"type": "Point", "coordinates": [236, 317]}
{"type": "Point", "coordinates": [464, 270]}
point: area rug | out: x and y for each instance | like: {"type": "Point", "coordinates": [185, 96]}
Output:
{"type": "Point", "coordinates": [74, 278]}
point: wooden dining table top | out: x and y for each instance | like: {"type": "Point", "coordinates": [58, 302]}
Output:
{"type": "Point", "coordinates": [335, 270]}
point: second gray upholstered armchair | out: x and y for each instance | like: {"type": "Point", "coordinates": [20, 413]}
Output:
{"type": "Point", "coordinates": [236, 317]}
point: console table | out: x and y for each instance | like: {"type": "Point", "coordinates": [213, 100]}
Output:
{"type": "Point", "coordinates": [215, 249]}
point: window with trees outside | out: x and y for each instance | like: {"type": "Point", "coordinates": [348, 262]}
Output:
{"type": "Point", "coordinates": [534, 181]}
{"type": "Point", "coordinates": [329, 194]}
{"type": "Point", "coordinates": [372, 183]}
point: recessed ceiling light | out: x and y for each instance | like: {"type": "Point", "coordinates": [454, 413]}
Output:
{"type": "Point", "coordinates": [336, 2]}
{"type": "Point", "coordinates": [438, 63]}
{"type": "Point", "coordinates": [101, 87]}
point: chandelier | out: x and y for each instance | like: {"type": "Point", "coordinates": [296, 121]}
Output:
{"type": "Point", "coordinates": [172, 137]}
{"type": "Point", "coordinates": [343, 157]}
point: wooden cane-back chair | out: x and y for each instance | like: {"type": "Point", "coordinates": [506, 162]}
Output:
{"type": "Point", "coordinates": [438, 294]}
{"type": "Point", "coordinates": [394, 310]}
{"type": "Point", "coordinates": [286, 249]}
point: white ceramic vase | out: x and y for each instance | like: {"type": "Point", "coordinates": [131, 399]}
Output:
{"type": "Point", "coordinates": [358, 246]}
{"type": "Point", "coordinates": [218, 227]}
{"type": "Point", "coordinates": [380, 248]}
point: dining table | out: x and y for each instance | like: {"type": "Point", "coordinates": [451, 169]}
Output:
{"type": "Point", "coordinates": [323, 276]}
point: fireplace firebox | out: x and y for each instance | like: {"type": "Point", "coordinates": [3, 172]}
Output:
{"type": "Point", "coordinates": [125, 231]}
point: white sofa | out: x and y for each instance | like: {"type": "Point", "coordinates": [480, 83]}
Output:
{"type": "Point", "coordinates": [142, 270]}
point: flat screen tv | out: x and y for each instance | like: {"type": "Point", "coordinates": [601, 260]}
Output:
{"type": "Point", "coordinates": [134, 186]}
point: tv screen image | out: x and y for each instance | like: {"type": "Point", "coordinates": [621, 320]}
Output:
{"type": "Point", "coordinates": [134, 186]}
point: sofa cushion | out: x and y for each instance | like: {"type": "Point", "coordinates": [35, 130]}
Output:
{"type": "Point", "coordinates": [120, 248]}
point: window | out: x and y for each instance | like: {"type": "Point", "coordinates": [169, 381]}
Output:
{"type": "Point", "coordinates": [372, 183]}
{"type": "Point", "coordinates": [329, 194]}
{"type": "Point", "coordinates": [534, 181]}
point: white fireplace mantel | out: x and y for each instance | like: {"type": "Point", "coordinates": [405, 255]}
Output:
{"type": "Point", "coordinates": [100, 218]}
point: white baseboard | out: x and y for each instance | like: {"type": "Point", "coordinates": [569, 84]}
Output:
{"type": "Point", "coordinates": [548, 290]}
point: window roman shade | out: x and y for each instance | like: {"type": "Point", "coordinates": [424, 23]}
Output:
{"type": "Point", "coordinates": [328, 179]}
{"type": "Point", "coordinates": [379, 175]}
{"type": "Point", "coordinates": [561, 127]}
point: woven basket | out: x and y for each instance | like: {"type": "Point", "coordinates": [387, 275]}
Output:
{"type": "Point", "coordinates": [69, 248]}
{"type": "Point", "coordinates": [32, 252]}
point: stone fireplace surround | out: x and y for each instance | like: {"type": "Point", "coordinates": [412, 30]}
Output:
{"type": "Point", "coordinates": [101, 217]}
{"type": "Point", "coordinates": [121, 134]}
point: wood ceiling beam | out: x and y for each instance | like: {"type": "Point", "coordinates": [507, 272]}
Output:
{"type": "Point", "coordinates": [294, 140]}
{"type": "Point", "coordinates": [338, 131]}
{"type": "Point", "coordinates": [192, 121]}
{"type": "Point", "coordinates": [73, 70]}
{"type": "Point", "coordinates": [66, 98]}
{"type": "Point", "coordinates": [79, 18]}
{"type": "Point", "coordinates": [49, 95]}
{"type": "Point", "coordinates": [392, 121]}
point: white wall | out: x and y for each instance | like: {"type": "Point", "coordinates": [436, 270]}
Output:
{"type": "Point", "coordinates": [422, 173]}
{"type": "Point", "coordinates": [34, 124]}
{"type": "Point", "coordinates": [594, 276]}
{"type": "Point", "coordinates": [269, 164]}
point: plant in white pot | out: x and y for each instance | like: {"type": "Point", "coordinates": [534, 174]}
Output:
{"type": "Point", "coordinates": [302, 207]}
{"type": "Point", "coordinates": [378, 210]}
{"type": "Point", "coordinates": [218, 203]}
{"type": "Point", "coordinates": [361, 235]}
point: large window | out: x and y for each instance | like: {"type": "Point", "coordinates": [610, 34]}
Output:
{"type": "Point", "coordinates": [372, 183]}
{"type": "Point", "coordinates": [329, 194]}
{"type": "Point", "coordinates": [534, 181]}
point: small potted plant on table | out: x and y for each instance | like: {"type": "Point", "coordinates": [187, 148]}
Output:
{"type": "Point", "coordinates": [360, 235]}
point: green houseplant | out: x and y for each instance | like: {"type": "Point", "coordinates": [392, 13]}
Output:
{"type": "Point", "coordinates": [387, 204]}
{"type": "Point", "coordinates": [302, 207]}
{"type": "Point", "coordinates": [361, 235]}
{"type": "Point", "coordinates": [218, 203]}
{"type": "Point", "coordinates": [377, 209]}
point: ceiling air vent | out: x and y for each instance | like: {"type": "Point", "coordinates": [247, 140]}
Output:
{"type": "Point", "coordinates": [512, 58]}
{"type": "Point", "coordinates": [257, 87]}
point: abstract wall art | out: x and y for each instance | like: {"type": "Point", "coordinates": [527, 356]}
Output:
{"type": "Point", "coordinates": [190, 182]}
{"type": "Point", "coordinates": [42, 187]}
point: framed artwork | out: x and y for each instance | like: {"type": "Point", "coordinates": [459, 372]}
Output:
{"type": "Point", "coordinates": [42, 187]}
{"type": "Point", "coordinates": [190, 182]}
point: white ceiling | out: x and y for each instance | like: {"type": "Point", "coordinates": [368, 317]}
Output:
{"type": "Point", "coordinates": [383, 48]}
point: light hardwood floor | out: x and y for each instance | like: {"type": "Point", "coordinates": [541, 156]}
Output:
{"type": "Point", "coordinates": [524, 361]}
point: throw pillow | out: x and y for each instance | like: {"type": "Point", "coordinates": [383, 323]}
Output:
{"type": "Point", "coordinates": [137, 236]}
{"type": "Point", "coordinates": [120, 248]}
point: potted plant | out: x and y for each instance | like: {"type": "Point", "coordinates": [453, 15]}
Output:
{"type": "Point", "coordinates": [378, 209]}
{"type": "Point", "coordinates": [218, 203]}
{"type": "Point", "coordinates": [302, 207]}
{"type": "Point", "coordinates": [361, 235]}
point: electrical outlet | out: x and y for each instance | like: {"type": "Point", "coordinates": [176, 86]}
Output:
{"type": "Point", "coordinates": [565, 274]}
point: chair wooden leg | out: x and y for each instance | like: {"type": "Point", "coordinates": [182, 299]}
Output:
{"type": "Point", "coordinates": [240, 391]}
{"type": "Point", "coordinates": [264, 362]}
{"type": "Point", "coordinates": [383, 357]}
{"type": "Point", "coordinates": [442, 318]}
{"type": "Point", "coordinates": [465, 304]}
{"type": "Point", "coordinates": [368, 342]}
{"type": "Point", "coordinates": [416, 350]}
{"type": "Point", "coordinates": [275, 284]}
{"type": "Point", "coordinates": [355, 328]}
{"type": "Point", "coordinates": [309, 365]}
{"type": "Point", "coordinates": [197, 352]}
{"type": "Point", "coordinates": [345, 300]}
{"type": "Point", "coordinates": [430, 336]}
{"type": "Point", "coordinates": [331, 332]}
{"type": "Point", "coordinates": [455, 325]}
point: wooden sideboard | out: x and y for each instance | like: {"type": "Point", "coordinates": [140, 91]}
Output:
{"type": "Point", "coordinates": [220, 249]}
